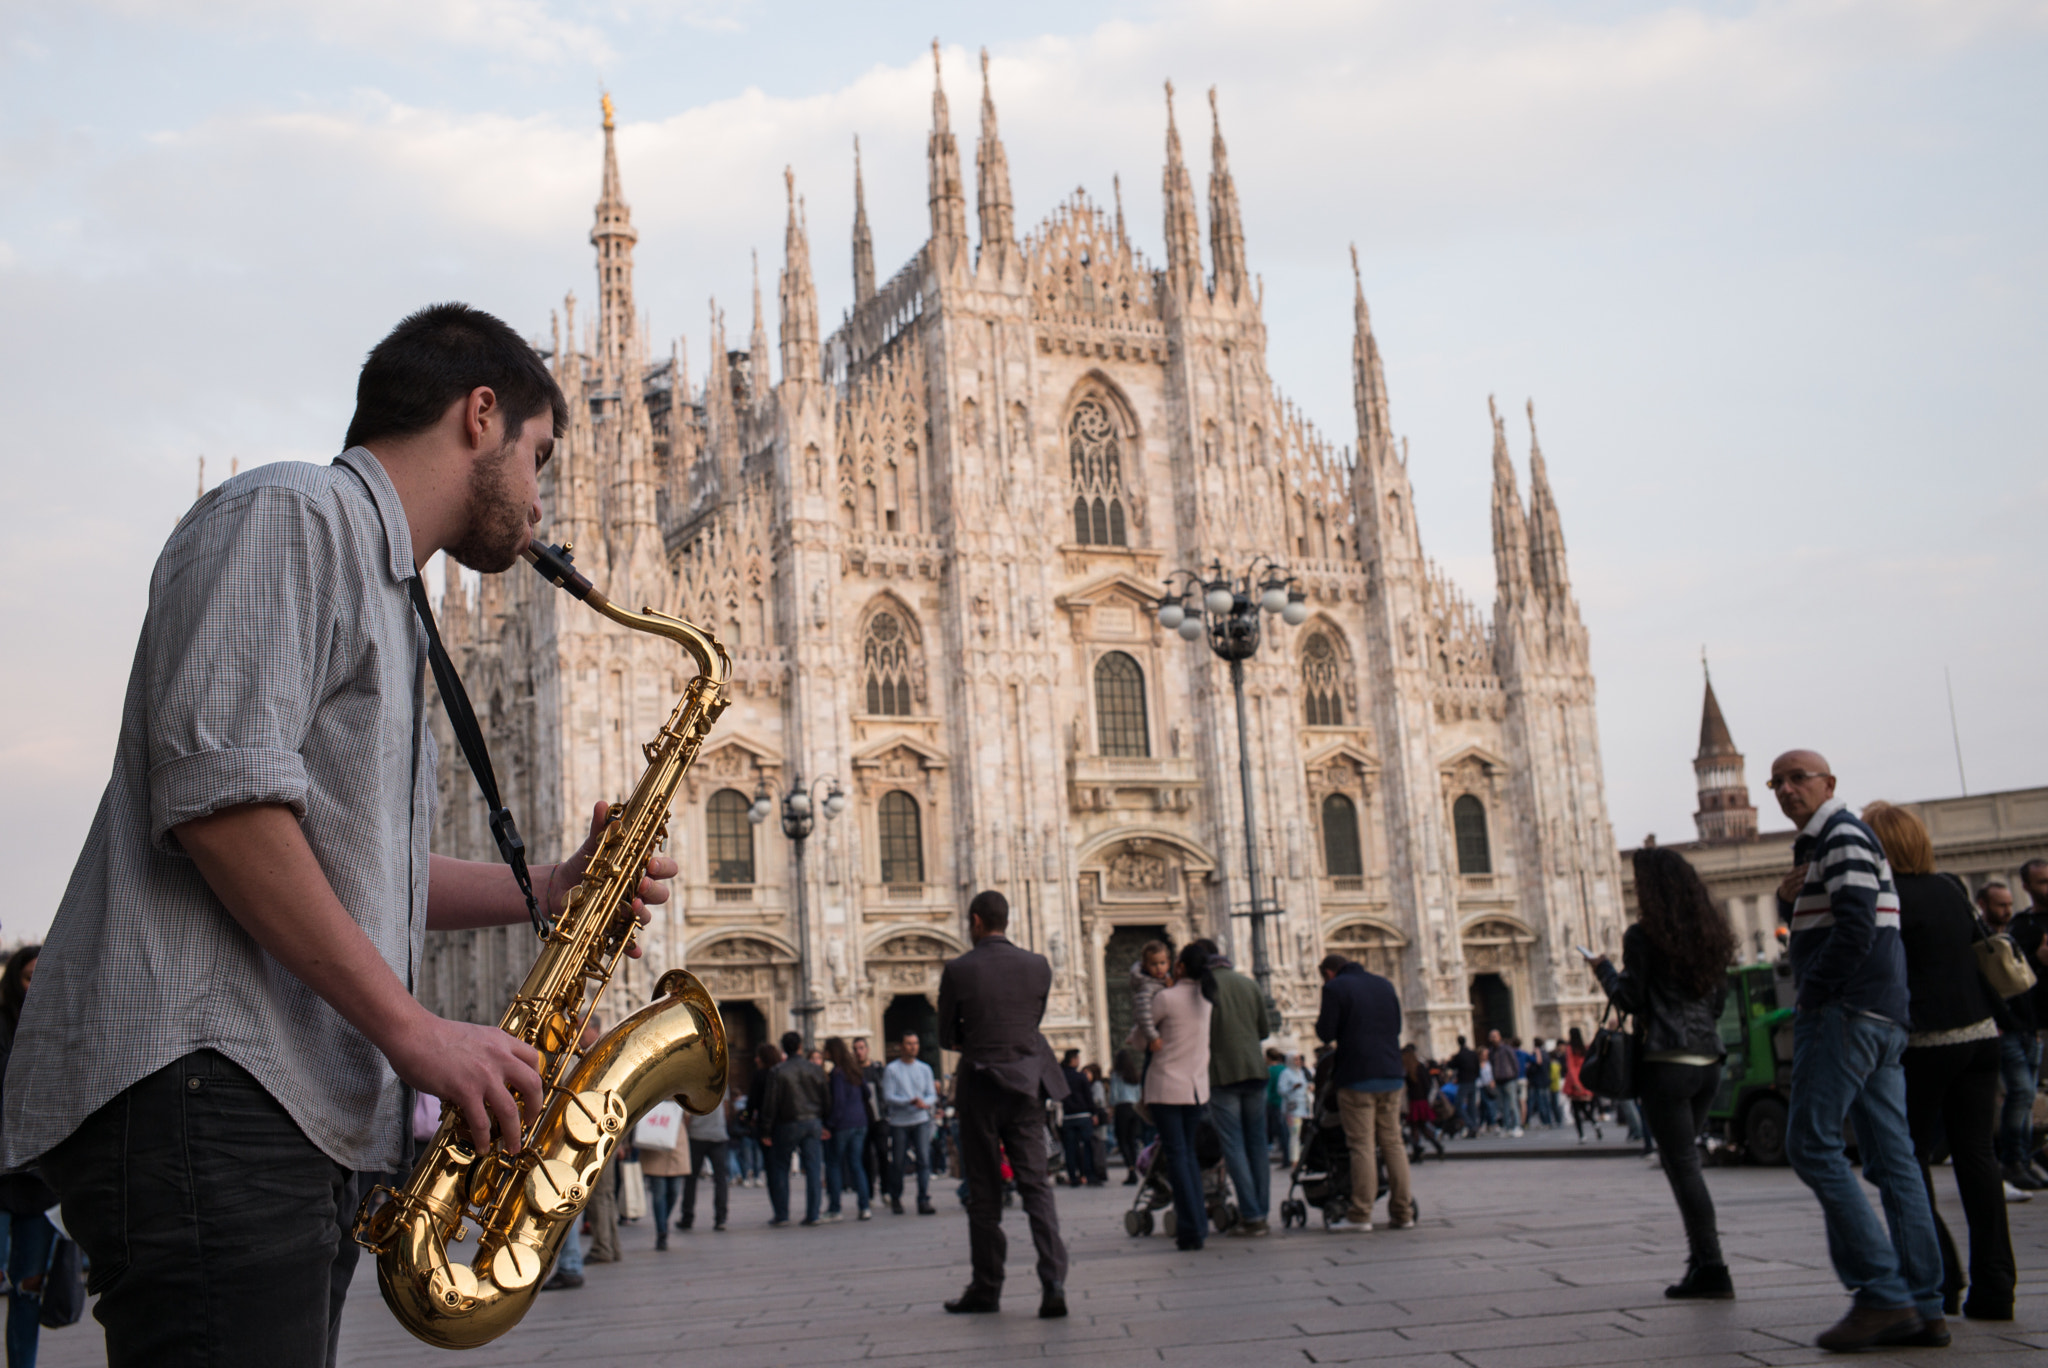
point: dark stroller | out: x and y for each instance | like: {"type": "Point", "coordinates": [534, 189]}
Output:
{"type": "Point", "coordinates": [1155, 1193]}
{"type": "Point", "coordinates": [1322, 1176]}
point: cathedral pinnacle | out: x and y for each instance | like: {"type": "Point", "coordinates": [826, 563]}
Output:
{"type": "Point", "coordinates": [992, 174]}
{"type": "Point", "coordinates": [863, 237]}
{"type": "Point", "coordinates": [1510, 527]}
{"type": "Point", "coordinates": [1547, 564]}
{"type": "Point", "coordinates": [942, 156]}
{"type": "Point", "coordinates": [1183, 228]}
{"type": "Point", "coordinates": [800, 355]}
{"type": "Point", "coordinates": [757, 340]}
{"type": "Point", "coordinates": [1368, 377]}
{"type": "Point", "coordinates": [606, 101]}
{"type": "Point", "coordinates": [613, 235]}
{"type": "Point", "coordinates": [1226, 223]}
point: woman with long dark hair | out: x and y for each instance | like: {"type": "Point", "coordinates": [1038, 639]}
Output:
{"type": "Point", "coordinates": [1674, 980]}
{"type": "Point", "coordinates": [1584, 1107]}
{"type": "Point", "coordinates": [1177, 1086]}
{"type": "Point", "coordinates": [847, 1131]}
{"type": "Point", "coordinates": [26, 1235]}
{"type": "Point", "coordinates": [1951, 1062]}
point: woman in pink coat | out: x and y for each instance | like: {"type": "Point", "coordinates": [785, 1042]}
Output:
{"type": "Point", "coordinates": [1177, 1087]}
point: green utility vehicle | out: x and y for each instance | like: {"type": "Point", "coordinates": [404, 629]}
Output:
{"type": "Point", "coordinates": [1748, 1115]}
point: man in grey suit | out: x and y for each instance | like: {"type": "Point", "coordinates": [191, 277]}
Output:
{"type": "Point", "coordinates": [991, 1000]}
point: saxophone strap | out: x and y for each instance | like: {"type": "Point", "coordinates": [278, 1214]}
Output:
{"type": "Point", "coordinates": [456, 699]}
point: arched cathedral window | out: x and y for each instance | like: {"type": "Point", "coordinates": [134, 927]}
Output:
{"type": "Point", "coordinates": [729, 838]}
{"type": "Point", "coordinates": [1342, 858]}
{"type": "Point", "coordinates": [1120, 705]}
{"type": "Point", "coordinates": [1096, 453]}
{"type": "Point", "coordinates": [1322, 682]}
{"type": "Point", "coordinates": [1475, 852]}
{"type": "Point", "coordinates": [885, 663]}
{"type": "Point", "coordinates": [902, 839]}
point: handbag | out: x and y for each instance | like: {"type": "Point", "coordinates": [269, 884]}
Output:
{"type": "Point", "coordinates": [2003, 966]}
{"type": "Point", "coordinates": [632, 1190]}
{"type": "Point", "coordinates": [661, 1128]}
{"type": "Point", "coordinates": [63, 1287]}
{"type": "Point", "coordinates": [1609, 1068]}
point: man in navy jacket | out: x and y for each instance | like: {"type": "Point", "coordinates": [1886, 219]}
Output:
{"type": "Point", "coordinates": [1849, 975]}
{"type": "Point", "coordinates": [1361, 1016]}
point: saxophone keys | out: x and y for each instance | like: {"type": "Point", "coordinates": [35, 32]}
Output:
{"type": "Point", "coordinates": [554, 1189]}
{"type": "Point", "coordinates": [452, 1285]}
{"type": "Point", "coordinates": [592, 1114]}
{"type": "Point", "coordinates": [514, 1266]}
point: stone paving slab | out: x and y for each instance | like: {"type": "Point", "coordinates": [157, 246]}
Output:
{"type": "Point", "coordinates": [1540, 1263]}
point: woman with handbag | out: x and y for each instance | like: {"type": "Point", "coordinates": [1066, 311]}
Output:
{"type": "Point", "coordinates": [1673, 981]}
{"type": "Point", "coordinates": [1951, 1061]}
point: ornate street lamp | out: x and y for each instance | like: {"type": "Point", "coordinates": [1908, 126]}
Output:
{"type": "Point", "coordinates": [800, 807]}
{"type": "Point", "coordinates": [1228, 611]}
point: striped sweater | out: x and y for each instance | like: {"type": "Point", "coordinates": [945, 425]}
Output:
{"type": "Point", "coordinates": [1845, 942]}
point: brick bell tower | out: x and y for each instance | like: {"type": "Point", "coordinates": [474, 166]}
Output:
{"type": "Point", "coordinates": [1726, 815]}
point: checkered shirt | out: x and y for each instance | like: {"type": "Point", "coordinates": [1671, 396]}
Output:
{"type": "Point", "coordinates": [279, 662]}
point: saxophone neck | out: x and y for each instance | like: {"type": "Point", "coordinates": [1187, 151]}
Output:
{"type": "Point", "coordinates": [555, 565]}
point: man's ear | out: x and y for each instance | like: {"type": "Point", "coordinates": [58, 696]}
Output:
{"type": "Point", "coordinates": [477, 412]}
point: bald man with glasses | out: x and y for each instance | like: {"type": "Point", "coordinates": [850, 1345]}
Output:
{"type": "Point", "coordinates": [1848, 1034]}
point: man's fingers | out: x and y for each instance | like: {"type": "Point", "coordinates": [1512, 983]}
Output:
{"type": "Point", "coordinates": [506, 1113]}
{"type": "Point", "coordinates": [476, 1119]}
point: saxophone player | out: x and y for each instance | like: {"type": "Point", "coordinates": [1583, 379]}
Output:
{"type": "Point", "coordinates": [224, 1013]}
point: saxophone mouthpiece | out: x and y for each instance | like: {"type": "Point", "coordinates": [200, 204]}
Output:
{"type": "Point", "coordinates": [554, 564]}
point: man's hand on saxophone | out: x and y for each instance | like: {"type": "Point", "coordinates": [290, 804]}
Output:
{"type": "Point", "coordinates": [563, 878]}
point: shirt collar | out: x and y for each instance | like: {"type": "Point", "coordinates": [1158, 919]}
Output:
{"type": "Point", "coordinates": [384, 494]}
{"type": "Point", "coordinates": [1821, 815]}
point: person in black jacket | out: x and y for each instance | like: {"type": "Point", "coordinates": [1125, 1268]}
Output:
{"type": "Point", "coordinates": [1674, 980]}
{"type": "Point", "coordinates": [1361, 1017]}
{"type": "Point", "coordinates": [1951, 1061]}
{"type": "Point", "coordinates": [24, 1197]}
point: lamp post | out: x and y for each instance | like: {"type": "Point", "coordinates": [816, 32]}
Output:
{"type": "Point", "coordinates": [800, 807]}
{"type": "Point", "coordinates": [1227, 609]}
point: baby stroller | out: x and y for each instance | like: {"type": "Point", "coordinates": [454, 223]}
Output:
{"type": "Point", "coordinates": [1322, 1176]}
{"type": "Point", "coordinates": [1155, 1193]}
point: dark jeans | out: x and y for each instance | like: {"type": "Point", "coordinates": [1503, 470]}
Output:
{"type": "Point", "coordinates": [1949, 1090]}
{"type": "Point", "coordinates": [995, 1122]}
{"type": "Point", "coordinates": [796, 1139]}
{"type": "Point", "coordinates": [717, 1154]}
{"type": "Point", "coordinates": [1238, 1111]}
{"type": "Point", "coordinates": [910, 1147]}
{"type": "Point", "coordinates": [843, 1167]}
{"type": "Point", "coordinates": [1177, 1125]}
{"type": "Point", "coordinates": [1127, 1127]}
{"type": "Point", "coordinates": [2019, 1061]}
{"type": "Point", "coordinates": [216, 1231]}
{"type": "Point", "coordinates": [662, 1191]}
{"type": "Point", "coordinates": [1674, 1106]}
{"type": "Point", "coordinates": [1077, 1139]}
{"type": "Point", "coordinates": [29, 1241]}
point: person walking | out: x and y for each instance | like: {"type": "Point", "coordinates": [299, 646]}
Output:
{"type": "Point", "coordinates": [753, 1154]}
{"type": "Point", "coordinates": [792, 1127]}
{"type": "Point", "coordinates": [1507, 1082]}
{"type": "Point", "coordinates": [875, 1152]}
{"type": "Point", "coordinates": [846, 1132]}
{"type": "Point", "coordinates": [1125, 1093]}
{"type": "Point", "coordinates": [1465, 1066]}
{"type": "Point", "coordinates": [1673, 981]}
{"type": "Point", "coordinates": [1951, 1062]}
{"type": "Point", "coordinates": [1077, 1122]}
{"type": "Point", "coordinates": [1297, 1104]}
{"type": "Point", "coordinates": [709, 1147]}
{"type": "Point", "coordinates": [991, 1000]}
{"type": "Point", "coordinates": [1421, 1109]}
{"type": "Point", "coordinates": [1177, 1086]}
{"type": "Point", "coordinates": [2019, 1053]}
{"type": "Point", "coordinates": [27, 1237]}
{"type": "Point", "coordinates": [911, 1096]}
{"type": "Point", "coordinates": [663, 1171]}
{"type": "Point", "coordinates": [1584, 1106]}
{"type": "Point", "coordinates": [1848, 1035]}
{"type": "Point", "coordinates": [1361, 1018]}
{"type": "Point", "coordinates": [1240, 1021]}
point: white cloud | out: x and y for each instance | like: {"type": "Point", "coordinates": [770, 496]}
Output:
{"type": "Point", "coordinates": [527, 30]}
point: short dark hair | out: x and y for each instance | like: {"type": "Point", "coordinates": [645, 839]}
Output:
{"type": "Point", "coordinates": [1333, 963]}
{"type": "Point", "coordinates": [1998, 884]}
{"type": "Point", "coordinates": [2032, 865]}
{"type": "Point", "coordinates": [992, 908]}
{"type": "Point", "coordinates": [437, 355]}
{"type": "Point", "coordinates": [791, 1042]}
{"type": "Point", "coordinates": [1070, 1054]}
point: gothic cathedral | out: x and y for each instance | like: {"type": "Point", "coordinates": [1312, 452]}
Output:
{"type": "Point", "coordinates": [936, 546]}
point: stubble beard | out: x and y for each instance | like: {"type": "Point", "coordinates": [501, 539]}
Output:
{"type": "Point", "coordinates": [497, 530]}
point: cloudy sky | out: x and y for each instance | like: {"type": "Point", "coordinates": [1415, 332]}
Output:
{"type": "Point", "coordinates": [1775, 274]}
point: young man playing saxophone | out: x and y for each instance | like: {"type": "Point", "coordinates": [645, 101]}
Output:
{"type": "Point", "coordinates": [223, 1012]}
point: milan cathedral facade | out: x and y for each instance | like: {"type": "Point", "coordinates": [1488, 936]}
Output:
{"type": "Point", "coordinates": [934, 541]}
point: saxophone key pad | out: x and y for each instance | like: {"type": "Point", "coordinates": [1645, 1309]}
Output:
{"type": "Point", "coordinates": [554, 1188]}
{"type": "Point", "coordinates": [514, 1266]}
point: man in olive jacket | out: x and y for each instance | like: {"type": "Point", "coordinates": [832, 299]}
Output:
{"type": "Point", "coordinates": [1238, 1026]}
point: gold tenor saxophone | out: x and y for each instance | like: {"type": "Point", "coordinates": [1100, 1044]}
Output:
{"type": "Point", "coordinates": [523, 1202]}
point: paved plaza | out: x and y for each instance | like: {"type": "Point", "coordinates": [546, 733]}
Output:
{"type": "Point", "coordinates": [1517, 1263]}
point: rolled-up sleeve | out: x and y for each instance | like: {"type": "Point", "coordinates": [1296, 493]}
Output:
{"type": "Point", "coordinates": [240, 638]}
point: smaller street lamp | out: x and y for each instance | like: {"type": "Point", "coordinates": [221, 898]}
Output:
{"type": "Point", "coordinates": [799, 815]}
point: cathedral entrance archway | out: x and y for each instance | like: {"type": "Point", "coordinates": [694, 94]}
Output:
{"type": "Point", "coordinates": [1493, 1008]}
{"type": "Point", "coordinates": [909, 1014]}
{"type": "Point", "coordinates": [1119, 953]}
{"type": "Point", "coordinates": [1136, 885]}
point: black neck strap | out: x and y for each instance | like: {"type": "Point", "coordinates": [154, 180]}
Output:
{"type": "Point", "coordinates": [456, 699]}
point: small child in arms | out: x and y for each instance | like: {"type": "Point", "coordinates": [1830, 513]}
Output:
{"type": "Point", "coordinates": [1149, 974]}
